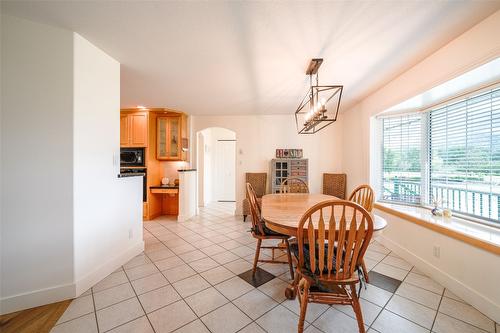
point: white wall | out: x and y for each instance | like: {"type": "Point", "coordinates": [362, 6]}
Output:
{"type": "Point", "coordinates": [187, 195]}
{"type": "Point", "coordinates": [200, 158]}
{"type": "Point", "coordinates": [65, 215]}
{"type": "Point", "coordinates": [259, 136]}
{"type": "Point", "coordinates": [107, 221]}
{"type": "Point", "coordinates": [469, 272]}
{"type": "Point", "coordinates": [37, 163]}
{"type": "Point", "coordinates": [475, 47]}
{"type": "Point", "coordinates": [207, 166]}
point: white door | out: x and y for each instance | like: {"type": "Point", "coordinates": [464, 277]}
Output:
{"type": "Point", "coordinates": [225, 170]}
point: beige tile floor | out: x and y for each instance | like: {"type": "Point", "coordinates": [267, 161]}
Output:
{"type": "Point", "coordinates": [186, 281]}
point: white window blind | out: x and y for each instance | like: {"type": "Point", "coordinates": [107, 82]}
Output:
{"type": "Point", "coordinates": [401, 160]}
{"type": "Point", "coordinates": [464, 155]}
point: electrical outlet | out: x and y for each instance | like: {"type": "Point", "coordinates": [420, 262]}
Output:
{"type": "Point", "coordinates": [437, 251]}
{"type": "Point", "coordinates": [130, 234]}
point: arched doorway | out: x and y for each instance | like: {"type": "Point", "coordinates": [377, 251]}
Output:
{"type": "Point", "coordinates": [216, 163]}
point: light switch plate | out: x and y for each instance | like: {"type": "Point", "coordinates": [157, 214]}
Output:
{"type": "Point", "coordinates": [116, 159]}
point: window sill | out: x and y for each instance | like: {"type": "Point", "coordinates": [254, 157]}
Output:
{"type": "Point", "coordinates": [481, 236]}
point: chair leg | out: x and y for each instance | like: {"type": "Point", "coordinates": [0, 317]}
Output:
{"type": "Point", "coordinates": [304, 296]}
{"type": "Point", "coordinates": [292, 290]}
{"type": "Point", "coordinates": [257, 253]}
{"type": "Point", "coordinates": [244, 218]}
{"type": "Point", "coordinates": [365, 271]}
{"type": "Point", "coordinates": [289, 255]}
{"type": "Point", "coordinates": [357, 309]}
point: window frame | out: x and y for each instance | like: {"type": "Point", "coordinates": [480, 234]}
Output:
{"type": "Point", "coordinates": [425, 154]}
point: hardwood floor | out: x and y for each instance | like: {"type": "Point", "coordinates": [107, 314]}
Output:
{"type": "Point", "coordinates": [35, 320]}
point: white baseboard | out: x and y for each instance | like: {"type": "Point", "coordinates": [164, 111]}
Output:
{"type": "Point", "coordinates": [36, 298]}
{"type": "Point", "coordinates": [83, 284]}
{"type": "Point", "coordinates": [71, 290]}
{"type": "Point", "coordinates": [465, 292]}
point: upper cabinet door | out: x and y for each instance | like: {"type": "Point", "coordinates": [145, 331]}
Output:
{"type": "Point", "coordinates": [168, 139]}
{"type": "Point", "coordinates": [174, 138]}
{"type": "Point", "coordinates": [134, 129]}
{"type": "Point", "coordinates": [124, 130]}
{"type": "Point", "coordinates": [161, 138]}
{"type": "Point", "coordinates": [139, 130]}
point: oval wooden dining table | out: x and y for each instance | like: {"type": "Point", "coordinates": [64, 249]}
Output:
{"type": "Point", "coordinates": [282, 213]}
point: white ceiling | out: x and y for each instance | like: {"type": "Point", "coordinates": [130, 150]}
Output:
{"type": "Point", "coordinates": [250, 57]}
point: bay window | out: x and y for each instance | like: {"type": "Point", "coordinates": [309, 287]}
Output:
{"type": "Point", "coordinates": [402, 147]}
{"type": "Point", "coordinates": [449, 154]}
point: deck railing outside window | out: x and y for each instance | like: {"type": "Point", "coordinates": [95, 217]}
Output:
{"type": "Point", "coordinates": [481, 204]}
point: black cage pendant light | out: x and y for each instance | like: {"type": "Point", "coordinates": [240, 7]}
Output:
{"type": "Point", "coordinates": [320, 107]}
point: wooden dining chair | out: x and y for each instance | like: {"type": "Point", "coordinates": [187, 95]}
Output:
{"type": "Point", "coordinates": [261, 232]}
{"type": "Point", "coordinates": [332, 237]}
{"type": "Point", "coordinates": [364, 196]}
{"type": "Point", "coordinates": [294, 185]}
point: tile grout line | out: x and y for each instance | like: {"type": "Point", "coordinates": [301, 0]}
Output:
{"type": "Point", "coordinates": [95, 310]}
{"type": "Point", "coordinates": [182, 297]}
{"type": "Point", "coordinates": [388, 301]}
{"type": "Point", "coordinates": [139, 301]}
{"type": "Point", "coordinates": [460, 320]}
{"type": "Point", "coordinates": [213, 286]}
{"type": "Point", "coordinates": [443, 296]}
{"type": "Point", "coordinates": [437, 311]}
{"type": "Point", "coordinates": [403, 316]}
{"type": "Point", "coordinates": [231, 301]}
{"type": "Point", "coordinates": [359, 296]}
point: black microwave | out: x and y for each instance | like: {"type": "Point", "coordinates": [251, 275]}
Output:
{"type": "Point", "coordinates": [132, 157]}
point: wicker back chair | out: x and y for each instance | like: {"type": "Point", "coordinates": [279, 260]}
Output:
{"type": "Point", "coordinates": [258, 180]}
{"type": "Point", "coordinates": [260, 232]}
{"type": "Point", "coordinates": [332, 237]}
{"type": "Point", "coordinates": [294, 185]}
{"type": "Point", "coordinates": [335, 184]}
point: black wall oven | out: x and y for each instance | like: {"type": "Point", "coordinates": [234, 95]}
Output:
{"type": "Point", "coordinates": [132, 157]}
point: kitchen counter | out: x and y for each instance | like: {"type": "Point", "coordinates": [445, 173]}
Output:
{"type": "Point", "coordinates": [168, 195]}
{"type": "Point", "coordinates": [129, 174]}
{"type": "Point", "coordinates": [164, 186]}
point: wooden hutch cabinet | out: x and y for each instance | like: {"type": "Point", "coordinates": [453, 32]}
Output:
{"type": "Point", "coordinates": [169, 137]}
{"type": "Point", "coordinates": [282, 168]}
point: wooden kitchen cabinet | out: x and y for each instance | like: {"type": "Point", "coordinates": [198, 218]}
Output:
{"type": "Point", "coordinates": [169, 137]}
{"type": "Point", "coordinates": [134, 129]}
{"type": "Point", "coordinates": [124, 130]}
